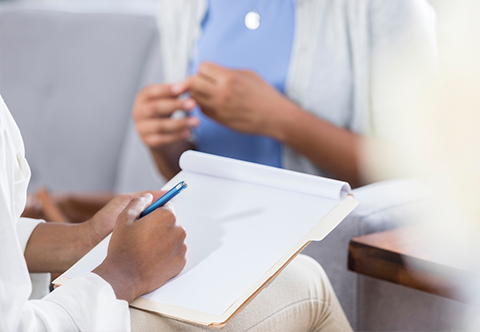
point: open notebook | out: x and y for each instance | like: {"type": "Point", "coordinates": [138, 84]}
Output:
{"type": "Point", "coordinates": [244, 223]}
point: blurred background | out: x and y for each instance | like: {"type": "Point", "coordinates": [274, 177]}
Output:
{"type": "Point", "coordinates": [69, 71]}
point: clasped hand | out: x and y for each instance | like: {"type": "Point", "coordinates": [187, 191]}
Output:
{"type": "Point", "coordinates": [238, 99]}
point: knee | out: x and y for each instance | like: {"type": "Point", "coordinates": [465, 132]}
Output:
{"type": "Point", "coordinates": [304, 279]}
{"type": "Point", "coordinates": [305, 269]}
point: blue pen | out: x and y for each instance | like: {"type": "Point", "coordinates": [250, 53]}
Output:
{"type": "Point", "coordinates": [165, 198]}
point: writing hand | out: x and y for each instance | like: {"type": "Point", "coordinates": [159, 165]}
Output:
{"type": "Point", "coordinates": [103, 221]}
{"type": "Point", "coordinates": [143, 254]}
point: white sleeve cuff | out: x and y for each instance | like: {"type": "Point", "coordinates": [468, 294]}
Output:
{"type": "Point", "coordinates": [92, 304]}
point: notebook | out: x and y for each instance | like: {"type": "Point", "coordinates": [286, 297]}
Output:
{"type": "Point", "coordinates": [245, 222]}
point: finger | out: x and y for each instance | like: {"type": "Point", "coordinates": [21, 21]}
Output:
{"type": "Point", "coordinates": [205, 101]}
{"type": "Point", "coordinates": [166, 107]}
{"type": "Point", "coordinates": [155, 108]}
{"type": "Point", "coordinates": [159, 140]}
{"type": "Point", "coordinates": [162, 108]}
{"type": "Point", "coordinates": [211, 71]}
{"type": "Point", "coordinates": [166, 126]}
{"type": "Point", "coordinates": [156, 193]}
{"type": "Point", "coordinates": [165, 214]}
{"type": "Point", "coordinates": [156, 91]}
{"type": "Point", "coordinates": [189, 104]}
{"type": "Point", "coordinates": [169, 206]}
{"type": "Point", "coordinates": [134, 208]}
{"type": "Point", "coordinates": [180, 88]}
{"type": "Point", "coordinates": [120, 201]}
{"type": "Point", "coordinates": [181, 236]}
{"type": "Point", "coordinates": [200, 85]}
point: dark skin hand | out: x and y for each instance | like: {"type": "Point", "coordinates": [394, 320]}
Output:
{"type": "Point", "coordinates": [54, 247]}
{"type": "Point", "coordinates": [244, 102]}
{"type": "Point", "coordinates": [166, 137]}
{"type": "Point", "coordinates": [143, 254]}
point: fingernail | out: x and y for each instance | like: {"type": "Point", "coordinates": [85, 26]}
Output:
{"type": "Point", "coordinates": [177, 88]}
{"type": "Point", "coordinates": [147, 196]}
{"type": "Point", "coordinates": [192, 122]}
{"type": "Point", "coordinates": [188, 104]}
{"type": "Point", "coordinates": [186, 134]}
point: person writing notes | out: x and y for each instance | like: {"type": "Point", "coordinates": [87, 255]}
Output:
{"type": "Point", "coordinates": [142, 255]}
{"type": "Point", "coordinates": [300, 91]}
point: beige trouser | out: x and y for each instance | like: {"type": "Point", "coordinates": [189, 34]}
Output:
{"type": "Point", "coordinates": [300, 299]}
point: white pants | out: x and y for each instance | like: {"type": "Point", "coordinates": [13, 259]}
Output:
{"type": "Point", "coordinates": [300, 299]}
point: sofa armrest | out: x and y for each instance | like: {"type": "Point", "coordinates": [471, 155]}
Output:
{"type": "Point", "coordinates": [384, 205]}
{"type": "Point", "coordinates": [390, 204]}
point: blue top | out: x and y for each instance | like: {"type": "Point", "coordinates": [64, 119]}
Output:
{"type": "Point", "coordinates": [226, 41]}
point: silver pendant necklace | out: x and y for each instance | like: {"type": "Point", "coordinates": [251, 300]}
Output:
{"type": "Point", "coordinates": [252, 19]}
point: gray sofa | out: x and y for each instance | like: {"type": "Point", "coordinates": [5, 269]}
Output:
{"type": "Point", "coordinates": [69, 75]}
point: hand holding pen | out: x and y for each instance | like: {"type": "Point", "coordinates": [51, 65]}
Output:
{"type": "Point", "coordinates": [165, 198]}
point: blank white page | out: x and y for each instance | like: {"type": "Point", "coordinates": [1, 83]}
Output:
{"type": "Point", "coordinates": [236, 230]}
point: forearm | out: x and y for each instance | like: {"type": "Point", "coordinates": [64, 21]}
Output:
{"type": "Point", "coordinates": [54, 247]}
{"type": "Point", "coordinates": [333, 149]}
{"type": "Point", "coordinates": [167, 158]}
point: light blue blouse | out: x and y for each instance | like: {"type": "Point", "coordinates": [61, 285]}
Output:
{"type": "Point", "coordinates": [226, 41]}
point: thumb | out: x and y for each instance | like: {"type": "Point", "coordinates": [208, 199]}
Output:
{"type": "Point", "coordinates": [134, 208]}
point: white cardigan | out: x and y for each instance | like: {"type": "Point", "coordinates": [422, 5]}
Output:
{"type": "Point", "coordinates": [352, 60]}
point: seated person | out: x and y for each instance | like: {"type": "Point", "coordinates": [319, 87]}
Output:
{"type": "Point", "coordinates": [141, 257]}
{"type": "Point", "coordinates": [299, 89]}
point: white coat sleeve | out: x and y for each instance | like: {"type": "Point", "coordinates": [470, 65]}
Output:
{"type": "Point", "coordinates": [40, 281]}
{"type": "Point", "coordinates": [87, 303]}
